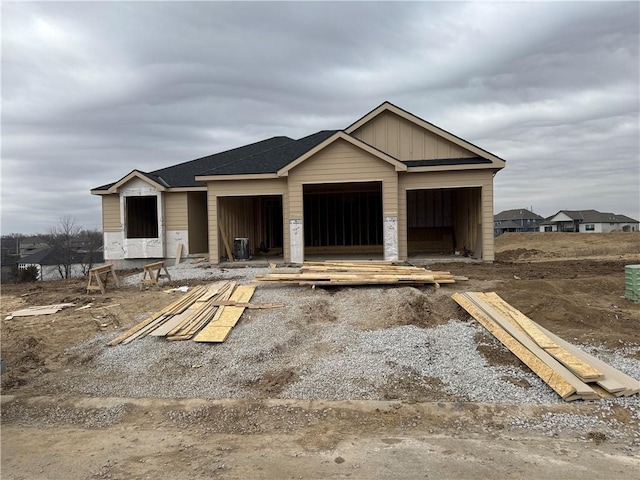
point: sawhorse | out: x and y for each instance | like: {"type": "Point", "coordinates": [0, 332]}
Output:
{"type": "Point", "coordinates": [100, 275]}
{"type": "Point", "coordinates": [154, 271]}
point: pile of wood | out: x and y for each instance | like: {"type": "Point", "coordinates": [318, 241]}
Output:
{"type": "Point", "coordinates": [205, 314]}
{"type": "Point", "coordinates": [369, 273]}
{"type": "Point", "coordinates": [569, 371]}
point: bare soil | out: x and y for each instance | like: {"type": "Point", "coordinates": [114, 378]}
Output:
{"type": "Point", "coordinates": [420, 433]}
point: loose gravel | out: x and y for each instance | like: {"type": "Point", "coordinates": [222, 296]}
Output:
{"type": "Point", "coordinates": [348, 343]}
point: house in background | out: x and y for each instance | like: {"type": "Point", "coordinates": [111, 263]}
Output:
{"type": "Point", "coordinates": [588, 221]}
{"type": "Point", "coordinates": [30, 245]}
{"type": "Point", "coordinates": [389, 186]}
{"type": "Point", "coordinates": [50, 263]}
{"type": "Point", "coordinates": [517, 220]}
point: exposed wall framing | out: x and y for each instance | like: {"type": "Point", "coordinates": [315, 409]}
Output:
{"type": "Point", "coordinates": [258, 218]}
{"type": "Point", "coordinates": [343, 217]}
{"type": "Point", "coordinates": [443, 220]}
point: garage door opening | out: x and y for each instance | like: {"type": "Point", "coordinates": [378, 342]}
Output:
{"type": "Point", "coordinates": [343, 218]}
{"type": "Point", "coordinates": [258, 218]}
{"type": "Point", "coordinates": [444, 222]}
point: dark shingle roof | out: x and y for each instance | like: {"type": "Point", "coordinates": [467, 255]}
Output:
{"type": "Point", "coordinates": [445, 161]}
{"type": "Point", "coordinates": [271, 161]}
{"type": "Point", "coordinates": [517, 214]}
{"type": "Point", "coordinates": [506, 224]}
{"type": "Point", "coordinates": [183, 174]}
{"type": "Point", "coordinates": [593, 216]}
{"type": "Point", "coordinates": [53, 256]}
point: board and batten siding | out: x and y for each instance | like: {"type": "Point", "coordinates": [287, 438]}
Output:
{"type": "Point", "coordinates": [405, 140]}
{"type": "Point", "coordinates": [176, 212]}
{"type": "Point", "coordinates": [239, 188]}
{"type": "Point", "coordinates": [458, 179]}
{"type": "Point", "coordinates": [111, 213]}
{"type": "Point", "coordinates": [342, 162]}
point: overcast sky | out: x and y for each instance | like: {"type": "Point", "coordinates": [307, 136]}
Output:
{"type": "Point", "coordinates": [91, 91]}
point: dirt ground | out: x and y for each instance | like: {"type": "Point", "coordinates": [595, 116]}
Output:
{"type": "Point", "coordinates": [580, 299]}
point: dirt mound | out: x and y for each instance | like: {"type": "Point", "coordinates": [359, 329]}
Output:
{"type": "Point", "coordinates": [536, 246]}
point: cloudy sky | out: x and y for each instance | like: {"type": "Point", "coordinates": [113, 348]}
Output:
{"type": "Point", "coordinates": [91, 91]}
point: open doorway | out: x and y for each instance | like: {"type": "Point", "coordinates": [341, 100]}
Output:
{"type": "Point", "coordinates": [444, 221]}
{"type": "Point", "coordinates": [343, 218]}
{"type": "Point", "coordinates": [257, 218]}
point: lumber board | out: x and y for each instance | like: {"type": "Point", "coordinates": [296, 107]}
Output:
{"type": "Point", "coordinates": [166, 327]}
{"type": "Point", "coordinates": [614, 378]}
{"type": "Point", "coordinates": [583, 370]}
{"type": "Point", "coordinates": [229, 316]}
{"type": "Point", "coordinates": [230, 303]}
{"type": "Point", "coordinates": [40, 310]}
{"type": "Point", "coordinates": [581, 388]}
{"type": "Point", "coordinates": [171, 309]}
{"type": "Point", "coordinates": [559, 384]}
{"type": "Point", "coordinates": [179, 254]}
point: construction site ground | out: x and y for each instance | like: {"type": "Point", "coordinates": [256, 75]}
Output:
{"type": "Point", "coordinates": [263, 407]}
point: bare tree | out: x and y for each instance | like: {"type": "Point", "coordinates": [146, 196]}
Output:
{"type": "Point", "coordinates": [91, 244]}
{"type": "Point", "coordinates": [63, 240]}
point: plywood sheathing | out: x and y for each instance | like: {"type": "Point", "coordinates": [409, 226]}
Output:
{"type": "Point", "coordinates": [569, 371]}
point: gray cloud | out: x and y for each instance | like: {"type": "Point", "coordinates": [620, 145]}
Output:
{"type": "Point", "coordinates": [92, 90]}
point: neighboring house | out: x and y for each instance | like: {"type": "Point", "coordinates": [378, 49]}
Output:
{"type": "Point", "coordinates": [390, 185]}
{"type": "Point", "coordinates": [32, 245]}
{"type": "Point", "coordinates": [517, 220]}
{"type": "Point", "coordinates": [588, 221]}
{"type": "Point", "coordinates": [49, 263]}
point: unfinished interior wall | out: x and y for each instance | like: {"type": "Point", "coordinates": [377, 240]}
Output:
{"type": "Point", "coordinates": [339, 163]}
{"type": "Point", "coordinates": [197, 226]}
{"type": "Point", "coordinates": [258, 218]}
{"type": "Point", "coordinates": [460, 215]}
{"type": "Point", "coordinates": [227, 189]}
{"type": "Point", "coordinates": [343, 217]}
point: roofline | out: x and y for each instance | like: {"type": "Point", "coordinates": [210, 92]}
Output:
{"type": "Point", "coordinates": [247, 176]}
{"type": "Point", "coordinates": [168, 190]}
{"type": "Point", "coordinates": [388, 106]}
{"type": "Point", "coordinates": [341, 135]}
{"type": "Point", "coordinates": [442, 168]}
{"type": "Point", "coordinates": [136, 174]}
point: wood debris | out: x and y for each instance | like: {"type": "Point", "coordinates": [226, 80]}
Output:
{"type": "Point", "coordinates": [39, 310]}
{"type": "Point", "coordinates": [205, 314]}
{"type": "Point", "coordinates": [366, 273]}
{"type": "Point", "coordinates": [570, 372]}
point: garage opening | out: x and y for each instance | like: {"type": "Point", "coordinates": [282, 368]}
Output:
{"type": "Point", "coordinates": [444, 221]}
{"type": "Point", "coordinates": [257, 218]}
{"type": "Point", "coordinates": [343, 218]}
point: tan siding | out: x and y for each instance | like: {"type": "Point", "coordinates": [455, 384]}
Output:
{"type": "Point", "coordinates": [405, 140]}
{"type": "Point", "coordinates": [111, 213]}
{"type": "Point", "coordinates": [176, 212]}
{"type": "Point", "coordinates": [234, 188]}
{"type": "Point", "coordinates": [338, 163]}
{"type": "Point", "coordinates": [423, 180]}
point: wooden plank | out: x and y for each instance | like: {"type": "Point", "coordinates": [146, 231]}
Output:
{"type": "Point", "coordinates": [560, 370]}
{"type": "Point", "coordinates": [230, 303]}
{"type": "Point", "coordinates": [614, 378]}
{"type": "Point", "coordinates": [173, 308]}
{"type": "Point", "coordinates": [583, 370]}
{"type": "Point", "coordinates": [179, 254]}
{"type": "Point", "coordinates": [557, 382]}
{"type": "Point", "coordinates": [173, 322]}
{"type": "Point", "coordinates": [228, 317]}
{"type": "Point", "coordinates": [223, 234]}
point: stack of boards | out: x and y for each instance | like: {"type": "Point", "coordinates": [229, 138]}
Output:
{"type": "Point", "coordinates": [569, 371]}
{"type": "Point", "coordinates": [205, 314]}
{"type": "Point", "coordinates": [369, 273]}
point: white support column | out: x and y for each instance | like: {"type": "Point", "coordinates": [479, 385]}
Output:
{"type": "Point", "coordinates": [296, 235]}
{"type": "Point", "coordinates": [391, 238]}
